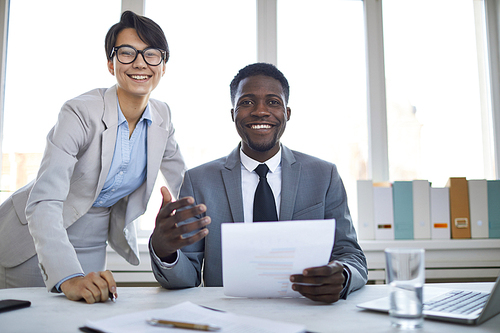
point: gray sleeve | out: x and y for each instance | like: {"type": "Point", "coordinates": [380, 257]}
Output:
{"type": "Point", "coordinates": [346, 249]}
{"type": "Point", "coordinates": [187, 271]}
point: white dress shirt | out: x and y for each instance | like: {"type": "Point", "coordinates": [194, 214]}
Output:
{"type": "Point", "coordinates": [250, 180]}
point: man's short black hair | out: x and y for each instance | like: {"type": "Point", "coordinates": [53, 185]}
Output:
{"type": "Point", "coordinates": [149, 32]}
{"type": "Point", "coordinates": [259, 68]}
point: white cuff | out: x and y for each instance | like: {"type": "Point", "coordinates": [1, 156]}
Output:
{"type": "Point", "coordinates": [158, 261]}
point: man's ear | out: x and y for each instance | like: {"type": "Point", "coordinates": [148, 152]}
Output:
{"type": "Point", "coordinates": [288, 113]}
{"type": "Point", "coordinates": [232, 114]}
{"type": "Point", "coordinates": [111, 67]}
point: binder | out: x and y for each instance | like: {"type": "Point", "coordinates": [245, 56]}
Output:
{"type": "Point", "coordinates": [403, 209]}
{"type": "Point", "coordinates": [440, 213]}
{"type": "Point", "coordinates": [494, 208]}
{"type": "Point", "coordinates": [383, 213]}
{"type": "Point", "coordinates": [459, 207]}
{"type": "Point", "coordinates": [421, 209]}
{"type": "Point", "coordinates": [478, 208]}
{"type": "Point", "coordinates": [366, 222]}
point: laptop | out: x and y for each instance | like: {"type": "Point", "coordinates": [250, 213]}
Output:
{"type": "Point", "coordinates": [452, 305]}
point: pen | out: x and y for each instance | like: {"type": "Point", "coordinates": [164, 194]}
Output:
{"type": "Point", "coordinates": [177, 324]}
{"type": "Point", "coordinates": [112, 297]}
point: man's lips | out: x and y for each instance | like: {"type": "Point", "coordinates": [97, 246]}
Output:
{"type": "Point", "coordinates": [260, 126]}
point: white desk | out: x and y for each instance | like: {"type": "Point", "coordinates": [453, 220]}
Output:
{"type": "Point", "coordinates": [54, 313]}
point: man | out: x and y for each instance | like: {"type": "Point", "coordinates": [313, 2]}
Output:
{"type": "Point", "coordinates": [304, 188]}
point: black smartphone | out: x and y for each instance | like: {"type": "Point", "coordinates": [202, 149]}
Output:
{"type": "Point", "coordinates": [13, 304]}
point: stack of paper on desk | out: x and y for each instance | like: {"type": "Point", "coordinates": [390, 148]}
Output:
{"type": "Point", "coordinates": [190, 313]}
{"type": "Point", "coordinates": [258, 258]}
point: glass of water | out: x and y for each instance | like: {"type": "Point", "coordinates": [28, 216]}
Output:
{"type": "Point", "coordinates": [405, 272]}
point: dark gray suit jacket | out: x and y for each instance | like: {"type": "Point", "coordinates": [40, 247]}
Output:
{"type": "Point", "coordinates": [311, 190]}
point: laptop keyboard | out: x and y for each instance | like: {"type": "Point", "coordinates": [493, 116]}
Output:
{"type": "Point", "coordinates": [458, 301]}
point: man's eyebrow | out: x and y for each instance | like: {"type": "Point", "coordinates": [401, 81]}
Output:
{"type": "Point", "coordinates": [246, 95]}
{"type": "Point", "coordinates": [267, 96]}
{"type": "Point", "coordinates": [274, 95]}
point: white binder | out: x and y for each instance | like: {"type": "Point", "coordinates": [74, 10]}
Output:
{"type": "Point", "coordinates": [366, 223]}
{"type": "Point", "coordinates": [383, 212]}
{"type": "Point", "coordinates": [421, 209]}
{"type": "Point", "coordinates": [478, 207]}
{"type": "Point", "coordinates": [440, 213]}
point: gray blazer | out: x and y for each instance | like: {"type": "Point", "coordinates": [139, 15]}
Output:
{"type": "Point", "coordinates": [74, 168]}
{"type": "Point", "coordinates": [311, 189]}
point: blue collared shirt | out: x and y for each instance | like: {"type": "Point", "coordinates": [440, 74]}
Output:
{"type": "Point", "coordinates": [128, 167]}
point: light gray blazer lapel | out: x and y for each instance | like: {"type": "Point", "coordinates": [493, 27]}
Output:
{"type": "Point", "coordinates": [157, 140]}
{"type": "Point", "coordinates": [231, 175]}
{"type": "Point", "coordinates": [110, 120]}
{"type": "Point", "coordinates": [290, 173]}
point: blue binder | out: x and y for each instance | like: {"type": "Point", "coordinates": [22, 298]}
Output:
{"type": "Point", "coordinates": [403, 209]}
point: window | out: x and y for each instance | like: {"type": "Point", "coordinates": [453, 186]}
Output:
{"type": "Point", "coordinates": [323, 59]}
{"type": "Point", "coordinates": [209, 42]}
{"type": "Point", "coordinates": [434, 107]}
{"type": "Point", "coordinates": [437, 95]}
{"type": "Point", "coordinates": [55, 52]}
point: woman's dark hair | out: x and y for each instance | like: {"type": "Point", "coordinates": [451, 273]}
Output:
{"type": "Point", "coordinates": [149, 32]}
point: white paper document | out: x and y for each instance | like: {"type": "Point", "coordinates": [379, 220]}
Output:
{"type": "Point", "coordinates": [258, 258]}
{"type": "Point", "coordinates": [191, 313]}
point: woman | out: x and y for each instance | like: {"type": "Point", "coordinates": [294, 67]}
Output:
{"type": "Point", "coordinates": [96, 176]}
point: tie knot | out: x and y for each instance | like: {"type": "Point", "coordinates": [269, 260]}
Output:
{"type": "Point", "coordinates": [262, 170]}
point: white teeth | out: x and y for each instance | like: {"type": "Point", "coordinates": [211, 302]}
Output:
{"type": "Point", "coordinates": [139, 77]}
{"type": "Point", "coordinates": [261, 126]}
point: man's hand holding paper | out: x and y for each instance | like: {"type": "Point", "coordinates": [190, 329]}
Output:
{"type": "Point", "coordinates": [322, 284]}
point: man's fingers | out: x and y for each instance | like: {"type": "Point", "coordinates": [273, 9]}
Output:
{"type": "Point", "coordinates": [167, 209]}
{"type": "Point", "coordinates": [322, 298]}
{"type": "Point", "coordinates": [167, 197]}
{"type": "Point", "coordinates": [322, 293]}
{"type": "Point", "coordinates": [187, 228]}
{"type": "Point", "coordinates": [326, 270]}
{"type": "Point", "coordinates": [185, 214]}
{"type": "Point", "coordinates": [195, 238]}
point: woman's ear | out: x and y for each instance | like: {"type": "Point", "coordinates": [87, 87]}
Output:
{"type": "Point", "coordinates": [111, 67]}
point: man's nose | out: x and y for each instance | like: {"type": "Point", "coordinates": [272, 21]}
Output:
{"type": "Point", "coordinates": [261, 109]}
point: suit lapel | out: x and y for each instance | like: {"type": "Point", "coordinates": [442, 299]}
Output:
{"type": "Point", "coordinates": [290, 173]}
{"type": "Point", "coordinates": [110, 120]}
{"type": "Point", "coordinates": [231, 176]}
{"type": "Point", "coordinates": [157, 140]}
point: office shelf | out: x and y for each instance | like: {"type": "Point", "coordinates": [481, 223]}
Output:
{"type": "Point", "coordinates": [445, 260]}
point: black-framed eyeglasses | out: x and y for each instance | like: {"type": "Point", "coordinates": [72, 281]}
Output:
{"type": "Point", "coordinates": [127, 54]}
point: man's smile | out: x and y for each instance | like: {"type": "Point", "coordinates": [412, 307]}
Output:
{"type": "Point", "coordinates": [260, 126]}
